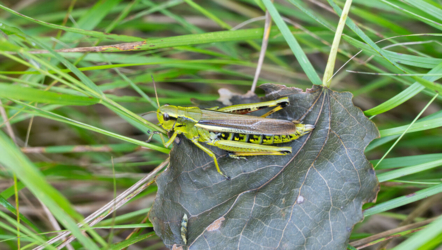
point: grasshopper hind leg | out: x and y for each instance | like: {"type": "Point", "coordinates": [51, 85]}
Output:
{"type": "Point", "coordinates": [242, 149]}
{"type": "Point", "coordinates": [211, 154]}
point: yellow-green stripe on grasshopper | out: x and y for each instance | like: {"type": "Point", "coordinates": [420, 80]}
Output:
{"type": "Point", "coordinates": [229, 129]}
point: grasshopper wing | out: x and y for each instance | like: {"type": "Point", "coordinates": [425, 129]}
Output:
{"type": "Point", "coordinates": [244, 124]}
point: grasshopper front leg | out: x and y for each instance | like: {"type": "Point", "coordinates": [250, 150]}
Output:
{"type": "Point", "coordinates": [193, 138]}
{"type": "Point", "coordinates": [165, 144]}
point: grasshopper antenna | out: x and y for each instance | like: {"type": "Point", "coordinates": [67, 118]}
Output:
{"type": "Point", "coordinates": [155, 88]}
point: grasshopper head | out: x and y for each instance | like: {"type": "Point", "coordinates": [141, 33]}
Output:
{"type": "Point", "coordinates": [167, 116]}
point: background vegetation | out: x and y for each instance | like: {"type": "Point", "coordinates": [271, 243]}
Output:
{"type": "Point", "coordinates": [82, 141]}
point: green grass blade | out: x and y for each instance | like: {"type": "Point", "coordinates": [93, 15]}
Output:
{"type": "Point", "coordinates": [184, 40]}
{"type": "Point", "coordinates": [403, 200]}
{"type": "Point", "coordinates": [131, 241]}
{"type": "Point", "coordinates": [293, 44]}
{"type": "Point", "coordinates": [406, 161]}
{"type": "Point", "coordinates": [36, 95]}
{"type": "Point", "coordinates": [418, 126]}
{"type": "Point", "coordinates": [379, 142]}
{"type": "Point", "coordinates": [390, 175]}
{"type": "Point", "coordinates": [427, 8]}
{"type": "Point", "coordinates": [412, 12]}
{"type": "Point", "coordinates": [10, 190]}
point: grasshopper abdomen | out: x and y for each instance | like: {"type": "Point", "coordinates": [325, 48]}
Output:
{"type": "Point", "coordinates": [301, 129]}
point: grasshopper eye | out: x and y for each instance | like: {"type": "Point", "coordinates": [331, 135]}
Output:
{"type": "Point", "coordinates": [166, 117]}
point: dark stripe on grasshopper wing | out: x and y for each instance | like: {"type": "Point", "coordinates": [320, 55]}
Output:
{"type": "Point", "coordinates": [242, 111]}
{"type": "Point", "coordinates": [248, 110]}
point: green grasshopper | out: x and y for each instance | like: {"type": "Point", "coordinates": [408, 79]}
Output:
{"type": "Point", "coordinates": [230, 129]}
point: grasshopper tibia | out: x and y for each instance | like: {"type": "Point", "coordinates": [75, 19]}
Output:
{"type": "Point", "coordinates": [234, 156]}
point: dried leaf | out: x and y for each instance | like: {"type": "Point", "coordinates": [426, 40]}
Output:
{"type": "Point", "coordinates": [310, 199]}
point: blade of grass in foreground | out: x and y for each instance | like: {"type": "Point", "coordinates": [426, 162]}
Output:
{"type": "Point", "coordinates": [16, 162]}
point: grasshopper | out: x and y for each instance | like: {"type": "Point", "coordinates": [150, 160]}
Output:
{"type": "Point", "coordinates": [230, 129]}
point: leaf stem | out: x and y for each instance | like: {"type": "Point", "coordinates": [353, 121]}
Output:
{"type": "Point", "coordinates": [328, 74]}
